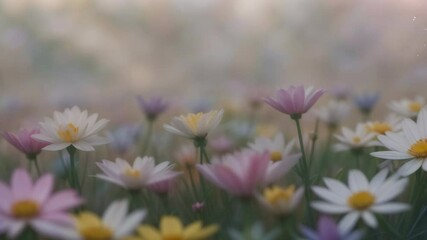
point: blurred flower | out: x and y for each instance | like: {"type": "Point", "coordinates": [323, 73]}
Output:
{"type": "Point", "coordinates": [408, 108]}
{"type": "Point", "coordinates": [280, 201]}
{"type": "Point", "coordinates": [221, 144]}
{"type": "Point", "coordinates": [381, 128]}
{"type": "Point", "coordinates": [256, 232]}
{"type": "Point", "coordinates": [198, 206]}
{"type": "Point", "coordinates": [361, 198]}
{"type": "Point", "coordinates": [366, 101]}
{"type": "Point", "coordinates": [72, 128]}
{"type": "Point", "coordinates": [333, 113]}
{"type": "Point", "coordinates": [186, 154]}
{"type": "Point", "coordinates": [194, 125]}
{"type": "Point", "coordinates": [26, 204]}
{"type": "Point", "coordinates": [327, 229]}
{"type": "Point", "coordinates": [411, 144]}
{"type": "Point", "coordinates": [276, 147]}
{"type": "Point", "coordinates": [171, 228]}
{"type": "Point", "coordinates": [340, 92]}
{"type": "Point", "coordinates": [355, 140]}
{"type": "Point", "coordinates": [152, 107]}
{"type": "Point", "coordinates": [124, 137]}
{"type": "Point", "coordinates": [240, 173]}
{"type": "Point", "coordinates": [266, 130]}
{"type": "Point", "coordinates": [162, 187]}
{"type": "Point", "coordinates": [240, 129]}
{"type": "Point", "coordinates": [115, 223]}
{"type": "Point", "coordinates": [295, 101]}
{"type": "Point", "coordinates": [142, 173]}
{"type": "Point", "coordinates": [23, 141]}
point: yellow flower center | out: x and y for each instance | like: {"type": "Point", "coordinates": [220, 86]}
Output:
{"type": "Point", "coordinates": [380, 127]}
{"type": "Point", "coordinates": [356, 140]}
{"type": "Point", "coordinates": [131, 172]}
{"type": "Point", "coordinates": [25, 209]}
{"type": "Point", "coordinates": [68, 133]}
{"type": "Point", "coordinates": [100, 232]}
{"type": "Point", "coordinates": [275, 156]}
{"type": "Point", "coordinates": [173, 237]}
{"type": "Point", "coordinates": [192, 120]}
{"type": "Point", "coordinates": [276, 194]}
{"type": "Point", "coordinates": [419, 149]}
{"type": "Point", "coordinates": [361, 200]}
{"type": "Point", "coordinates": [414, 106]}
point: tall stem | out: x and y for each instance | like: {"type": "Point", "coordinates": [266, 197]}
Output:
{"type": "Point", "coordinates": [305, 170]}
{"type": "Point", "coordinates": [74, 181]}
{"type": "Point", "coordinates": [147, 138]}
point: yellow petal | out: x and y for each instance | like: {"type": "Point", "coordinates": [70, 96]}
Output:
{"type": "Point", "coordinates": [204, 233]}
{"type": "Point", "coordinates": [192, 229]}
{"type": "Point", "coordinates": [87, 219]}
{"type": "Point", "coordinates": [170, 225]}
{"type": "Point", "coordinates": [149, 233]}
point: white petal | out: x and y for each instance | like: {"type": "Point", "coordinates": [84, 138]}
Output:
{"type": "Point", "coordinates": [357, 181]}
{"type": "Point", "coordinates": [115, 213]}
{"type": "Point", "coordinates": [329, 195]}
{"type": "Point", "coordinates": [329, 208]}
{"type": "Point", "coordinates": [369, 219]}
{"type": "Point", "coordinates": [378, 180]}
{"type": "Point", "coordinates": [391, 189]}
{"type": "Point", "coordinates": [337, 186]}
{"type": "Point", "coordinates": [56, 231]}
{"type": "Point", "coordinates": [392, 155]}
{"type": "Point", "coordinates": [129, 224]}
{"type": "Point", "coordinates": [347, 223]}
{"type": "Point", "coordinates": [409, 167]}
{"type": "Point", "coordinates": [56, 146]}
{"type": "Point", "coordinates": [390, 208]}
{"type": "Point", "coordinates": [83, 146]}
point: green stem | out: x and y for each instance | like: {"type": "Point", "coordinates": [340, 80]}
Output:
{"type": "Point", "coordinates": [36, 164]}
{"type": "Point", "coordinates": [193, 184]}
{"type": "Point", "coordinates": [134, 199]}
{"type": "Point", "coordinates": [305, 170]}
{"type": "Point", "coordinates": [74, 181]}
{"type": "Point", "coordinates": [146, 143]}
{"type": "Point", "coordinates": [313, 137]}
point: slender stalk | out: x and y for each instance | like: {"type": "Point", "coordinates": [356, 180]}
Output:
{"type": "Point", "coordinates": [193, 184]}
{"type": "Point", "coordinates": [28, 234]}
{"type": "Point", "coordinates": [133, 199]}
{"type": "Point", "coordinates": [305, 170]}
{"type": "Point", "coordinates": [74, 181]}
{"type": "Point", "coordinates": [33, 159]}
{"type": "Point", "coordinates": [313, 137]}
{"type": "Point", "coordinates": [147, 138]}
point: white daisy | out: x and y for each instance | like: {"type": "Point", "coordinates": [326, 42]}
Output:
{"type": "Point", "coordinates": [115, 224]}
{"type": "Point", "coordinates": [361, 199]}
{"type": "Point", "coordinates": [72, 127]}
{"type": "Point", "coordinates": [333, 112]}
{"type": "Point", "coordinates": [276, 147]}
{"type": "Point", "coordinates": [408, 108]}
{"type": "Point", "coordinates": [355, 140]}
{"type": "Point", "coordinates": [194, 125]}
{"type": "Point", "coordinates": [390, 124]}
{"type": "Point", "coordinates": [143, 172]}
{"type": "Point", "coordinates": [410, 144]}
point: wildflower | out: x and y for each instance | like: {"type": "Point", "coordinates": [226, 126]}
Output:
{"type": "Point", "coordinates": [25, 204]}
{"type": "Point", "coordinates": [114, 224]}
{"type": "Point", "coordinates": [240, 173]}
{"type": "Point", "coordinates": [198, 206]}
{"type": "Point", "coordinates": [295, 101]}
{"type": "Point", "coordinates": [411, 144]}
{"type": "Point", "coordinates": [333, 113]}
{"type": "Point", "coordinates": [355, 140]}
{"type": "Point", "coordinates": [72, 128]}
{"type": "Point", "coordinates": [171, 228]}
{"type": "Point", "coordinates": [279, 200]}
{"type": "Point", "coordinates": [327, 229]}
{"type": "Point", "coordinates": [391, 124]}
{"type": "Point", "coordinates": [194, 125]}
{"type": "Point", "coordinates": [23, 141]}
{"type": "Point", "coordinates": [142, 173]}
{"type": "Point", "coordinates": [361, 198]}
{"type": "Point", "coordinates": [276, 147]}
{"type": "Point", "coordinates": [124, 137]}
{"type": "Point", "coordinates": [221, 144]}
{"type": "Point", "coordinates": [186, 154]}
{"type": "Point", "coordinates": [366, 101]}
{"type": "Point", "coordinates": [340, 92]}
{"type": "Point", "coordinates": [152, 107]}
{"type": "Point", "coordinates": [408, 108]}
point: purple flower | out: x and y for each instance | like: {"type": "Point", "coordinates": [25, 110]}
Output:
{"type": "Point", "coordinates": [23, 142]}
{"type": "Point", "coordinates": [327, 229]}
{"type": "Point", "coordinates": [198, 206]}
{"type": "Point", "coordinates": [366, 101]}
{"type": "Point", "coordinates": [152, 107]}
{"type": "Point", "coordinates": [295, 101]}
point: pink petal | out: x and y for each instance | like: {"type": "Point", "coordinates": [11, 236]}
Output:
{"type": "Point", "coordinates": [6, 198]}
{"type": "Point", "coordinates": [298, 99]}
{"type": "Point", "coordinates": [58, 217]}
{"type": "Point", "coordinates": [21, 184]}
{"type": "Point", "coordinates": [43, 188]}
{"type": "Point", "coordinates": [230, 180]}
{"type": "Point", "coordinates": [313, 99]}
{"type": "Point", "coordinates": [61, 201]}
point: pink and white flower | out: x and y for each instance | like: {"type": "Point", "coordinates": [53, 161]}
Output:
{"type": "Point", "coordinates": [27, 204]}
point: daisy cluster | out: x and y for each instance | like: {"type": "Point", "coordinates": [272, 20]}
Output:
{"type": "Point", "coordinates": [222, 177]}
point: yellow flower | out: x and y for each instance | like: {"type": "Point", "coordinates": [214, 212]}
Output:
{"type": "Point", "coordinates": [194, 125]}
{"type": "Point", "coordinates": [171, 228]}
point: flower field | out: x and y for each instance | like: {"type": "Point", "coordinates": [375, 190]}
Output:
{"type": "Point", "coordinates": [84, 180]}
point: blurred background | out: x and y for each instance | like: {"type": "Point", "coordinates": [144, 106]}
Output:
{"type": "Point", "coordinates": [102, 53]}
